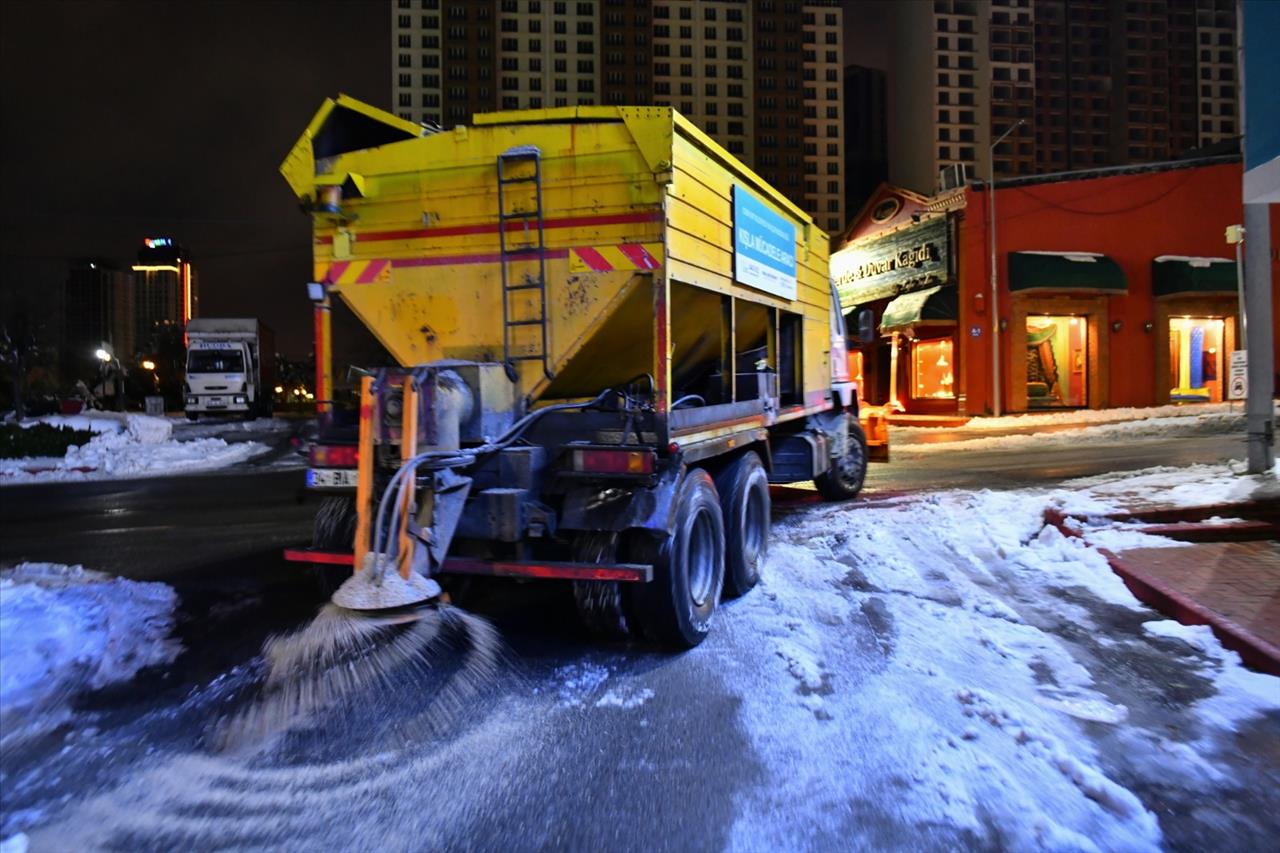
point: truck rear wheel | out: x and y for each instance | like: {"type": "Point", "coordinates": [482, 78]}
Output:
{"type": "Point", "coordinates": [335, 530]}
{"type": "Point", "coordinates": [688, 566]}
{"type": "Point", "coordinates": [843, 480]}
{"type": "Point", "coordinates": [744, 500]}
{"type": "Point", "coordinates": [599, 603]}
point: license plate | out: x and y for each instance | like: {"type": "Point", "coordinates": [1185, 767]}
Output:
{"type": "Point", "coordinates": [331, 478]}
{"type": "Point", "coordinates": [216, 401]}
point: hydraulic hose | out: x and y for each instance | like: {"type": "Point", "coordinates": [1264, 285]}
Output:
{"type": "Point", "coordinates": [386, 529]}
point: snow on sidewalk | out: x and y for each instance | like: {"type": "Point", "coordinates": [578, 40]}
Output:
{"type": "Point", "coordinates": [957, 679]}
{"type": "Point", "coordinates": [67, 629]}
{"type": "Point", "coordinates": [1087, 416]}
{"type": "Point", "coordinates": [126, 446]}
{"type": "Point", "coordinates": [1212, 423]}
{"type": "Point", "coordinates": [1166, 486]}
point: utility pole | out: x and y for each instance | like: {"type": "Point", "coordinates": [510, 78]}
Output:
{"type": "Point", "coordinates": [1257, 297]}
{"type": "Point", "coordinates": [995, 290]}
{"type": "Point", "coordinates": [1259, 418]}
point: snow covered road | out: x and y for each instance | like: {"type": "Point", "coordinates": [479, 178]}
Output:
{"type": "Point", "coordinates": [932, 672]}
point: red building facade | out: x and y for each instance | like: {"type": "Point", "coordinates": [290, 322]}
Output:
{"type": "Point", "coordinates": [1114, 289]}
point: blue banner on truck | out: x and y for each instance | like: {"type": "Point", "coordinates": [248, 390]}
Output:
{"type": "Point", "coordinates": [764, 246]}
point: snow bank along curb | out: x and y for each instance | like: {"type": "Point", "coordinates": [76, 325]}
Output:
{"type": "Point", "coordinates": [1206, 424]}
{"type": "Point", "coordinates": [68, 629]}
{"type": "Point", "coordinates": [982, 424]}
{"type": "Point", "coordinates": [127, 446]}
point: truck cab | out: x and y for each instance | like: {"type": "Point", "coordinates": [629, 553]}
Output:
{"type": "Point", "coordinates": [230, 368]}
{"type": "Point", "coordinates": [216, 377]}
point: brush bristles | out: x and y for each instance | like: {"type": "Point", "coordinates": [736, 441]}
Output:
{"type": "Point", "coordinates": [342, 655]}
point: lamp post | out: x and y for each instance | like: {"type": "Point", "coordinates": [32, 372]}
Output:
{"type": "Point", "coordinates": [105, 373]}
{"type": "Point", "coordinates": [995, 295]}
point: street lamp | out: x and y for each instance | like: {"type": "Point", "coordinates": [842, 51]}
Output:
{"type": "Point", "coordinates": [103, 355]}
{"type": "Point", "coordinates": [995, 295]}
{"type": "Point", "coordinates": [148, 364]}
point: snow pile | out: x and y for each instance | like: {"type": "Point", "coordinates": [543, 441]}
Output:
{"type": "Point", "coordinates": [127, 446]}
{"type": "Point", "coordinates": [97, 422]}
{"type": "Point", "coordinates": [67, 629]}
{"type": "Point", "coordinates": [955, 676]}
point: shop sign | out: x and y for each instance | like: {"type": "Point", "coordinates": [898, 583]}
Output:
{"type": "Point", "coordinates": [895, 263]}
{"type": "Point", "coordinates": [1238, 377]}
{"type": "Point", "coordinates": [764, 246]}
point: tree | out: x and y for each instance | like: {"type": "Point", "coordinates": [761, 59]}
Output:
{"type": "Point", "coordinates": [20, 352]}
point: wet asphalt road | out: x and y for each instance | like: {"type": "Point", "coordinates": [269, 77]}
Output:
{"type": "Point", "coordinates": [570, 783]}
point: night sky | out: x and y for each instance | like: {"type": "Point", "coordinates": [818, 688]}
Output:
{"type": "Point", "coordinates": [130, 119]}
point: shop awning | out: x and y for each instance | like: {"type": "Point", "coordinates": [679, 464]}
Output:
{"type": "Point", "coordinates": [1175, 274]}
{"type": "Point", "coordinates": [935, 305]}
{"type": "Point", "coordinates": [1065, 271]}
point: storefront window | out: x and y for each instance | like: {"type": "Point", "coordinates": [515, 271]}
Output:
{"type": "Point", "coordinates": [1195, 359]}
{"type": "Point", "coordinates": [932, 369]}
{"type": "Point", "coordinates": [1057, 362]}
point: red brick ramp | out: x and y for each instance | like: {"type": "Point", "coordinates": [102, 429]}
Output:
{"type": "Point", "coordinates": [1233, 587]}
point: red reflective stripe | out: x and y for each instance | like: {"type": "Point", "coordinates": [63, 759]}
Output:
{"type": "Point", "coordinates": [492, 227]}
{"type": "Point", "coordinates": [594, 259]}
{"type": "Point", "coordinates": [488, 258]}
{"type": "Point", "coordinates": [336, 269]}
{"type": "Point", "coordinates": [328, 558]}
{"type": "Point", "coordinates": [371, 272]}
{"type": "Point", "coordinates": [639, 256]}
{"type": "Point", "coordinates": [560, 571]}
{"type": "Point", "coordinates": [630, 572]}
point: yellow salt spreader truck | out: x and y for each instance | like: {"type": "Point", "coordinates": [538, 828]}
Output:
{"type": "Point", "coordinates": [611, 337]}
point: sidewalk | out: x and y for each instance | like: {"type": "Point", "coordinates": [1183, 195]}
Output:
{"type": "Point", "coordinates": [1227, 577]}
{"type": "Point", "coordinates": [1233, 587]}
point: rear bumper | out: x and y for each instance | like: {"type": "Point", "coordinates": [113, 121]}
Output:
{"type": "Point", "coordinates": [546, 570]}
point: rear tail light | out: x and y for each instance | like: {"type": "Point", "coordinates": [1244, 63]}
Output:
{"type": "Point", "coordinates": [613, 461]}
{"type": "Point", "coordinates": [340, 456]}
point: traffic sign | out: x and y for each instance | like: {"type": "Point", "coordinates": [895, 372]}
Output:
{"type": "Point", "coordinates": [1238, 379]}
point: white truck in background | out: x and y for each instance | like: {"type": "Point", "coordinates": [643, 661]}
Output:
{"type": "Point", "coordinates": [231, 367]}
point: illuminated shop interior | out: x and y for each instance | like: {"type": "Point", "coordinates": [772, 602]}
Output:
{"type": "Point", "coordinates": [933, 370]}
{"type": "Point", "coordinates": [1195, 359]}
{"type": "Point", "coordinates": [1057, 362]}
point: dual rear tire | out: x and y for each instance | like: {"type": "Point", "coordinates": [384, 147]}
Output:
{"type": "Point", "coordinates": [715, 546]}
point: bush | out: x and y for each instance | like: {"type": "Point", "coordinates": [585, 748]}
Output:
{"type": "Point", "coordinates": [40, 440]}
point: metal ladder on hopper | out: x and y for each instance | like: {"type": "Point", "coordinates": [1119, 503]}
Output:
{"type": "Point", "coordinates": [523, 255]}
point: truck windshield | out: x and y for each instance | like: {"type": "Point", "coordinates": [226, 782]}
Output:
{"type": "Point", "coordinates": [215, 361]}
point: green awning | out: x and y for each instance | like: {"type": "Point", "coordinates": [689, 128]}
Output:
{"type": "Point", "coordinates": [1174, 274]}
{"type": "Point", "coordinates": [934, 305]}
{"type": "Point", "coordinates": [1065, 271]}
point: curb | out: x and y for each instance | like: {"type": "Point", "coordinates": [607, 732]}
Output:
{"type": "Point", "coordinates": [1189, 531]}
